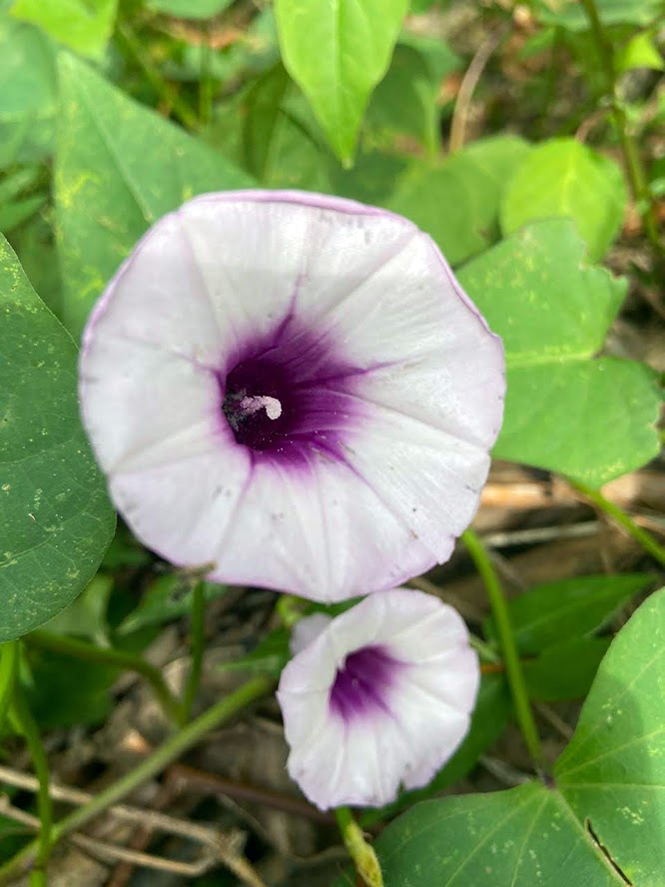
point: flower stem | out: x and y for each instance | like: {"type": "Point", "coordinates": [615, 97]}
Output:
{"type": "Point", "coordinates": [624, 520]}
{"type": "Point", "coordinates": [8, 668]}
{"type": "Point", "coordinates": [484, 650]}
{"type": "Point", "coordinates": [25, 724]}
{"type": "Point", "coordinates": [197, 647]}
{"type": "Point", "coordinates": [107, 656]}
{"type": "Point", "coordinates": [634, 168]}
{"type": "Point", "coordinates": [175, 746]}
{"type": "Point", "coordinates": [362, 853]}
{"type": "Point", "coordinates": [511, 659]}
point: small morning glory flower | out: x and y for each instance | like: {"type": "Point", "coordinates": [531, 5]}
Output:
{"type": "Point", "coordinates": [380, 696]}
{"type": "Point", "coordinates": [295, 389]}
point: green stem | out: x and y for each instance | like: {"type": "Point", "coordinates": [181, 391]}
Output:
{"type": "Point", "coordinates": [617, 514]}
{"type": "Point", "coordinates": [206, 84]}
{"type": "Point", "coordinates": [508, 646]}
{"type": "Point", "coordinates": [362, 853]}
{"type": "Point", "coordinates": [107, 656]}
{"type": "Point", "coordinates": [172, 749]}
{"type": "Point", "coordinates": [25, 724]}
{"type": "Point", "coordinates": [197, 648]}
{"type": "Point", "coordinates": [483, 649]}
{"type": "Point", "coordinates": [8, 669]}
{"type": "Point", "coordinates": [634, 168]}
{"type": "Point", "coordinates": [167, 93]}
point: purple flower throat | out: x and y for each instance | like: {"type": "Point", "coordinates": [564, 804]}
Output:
{"type": "Point", "coordinates": [288, 396]}
{"type": "Point", "coordinates": [363, 683]}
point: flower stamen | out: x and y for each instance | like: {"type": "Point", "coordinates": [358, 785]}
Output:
{"type": "Point", "coordinates": [272, 406]}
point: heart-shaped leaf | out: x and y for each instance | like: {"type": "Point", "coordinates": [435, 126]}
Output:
{"type": "Point", "coordinates": [564, 178]}
{"type": "Point", "coordinates": [55, 517]}
{"type": "Point", "coordinates": [602, 825]}
{"type": "Point", "coordinates": [592, 418]}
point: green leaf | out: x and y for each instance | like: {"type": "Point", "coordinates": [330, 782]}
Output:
{"type": "Point", "coordinates": [404, 102]}
{"type": "Point", "coordinates": [488, 721]}
{"type": "Point", "coordinates": [565, 670]}
{"type": "Point", "coordinates": [640, 52]}
{"type": "Point", "coordinates": [455, 184]}
{"type": "Point", "coordinates": [86, 617]}
{"type": "Point", "coordinates": [592, 419]}
{"type": "Point", "coordinates": [55, 518]}
{"type": "Point", "coordinates": [27, 92]}
{"type": "Point", "coordinates": [192, 9]}
{"type": "Point", "coordinates": [570, 14]}
{"type": "Point", "coordinates": [119, 167]}
{"type": "Point", "coordinates": [166, 599]}
{"type": "Point", "coordinates": [571, 608]}
{"type": "Point", "coordinates": [522, 837]}
{"type": "Point", "coordinates": [64, 693]}
{"type": "Point", "coordinates": [457, 200]}
{"type": "Point", "coordinates": [83, 25]}
{"type": "Point", "coordinates": [12, 185]}
{"type": "Point", "coordinates": [268, 657]}
{"type": "Point", "coordinates": [609, 786]}
{"type": "Point", "coordinates": [263, 113]}
{"type": "Point", "coordinates": [14, 214]}
{"type": "Point", "coordinates": [613, 771]}
{"type": "Point", "coordinates": [34, 243]}
{"type": "Point", "coordinates": [440, 58]}
{"type": "Point", "coordinates": [499, 157]}
{"type": "Point", "coordinates": [562, 177]}
{"type": "Point", "coordinates": [337, 52]}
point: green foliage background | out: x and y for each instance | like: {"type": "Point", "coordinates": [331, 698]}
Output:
{"type": "Point", "coordinates": [113, 113]}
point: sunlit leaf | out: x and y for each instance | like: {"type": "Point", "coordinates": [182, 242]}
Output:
{"type": "Point", "coordinates": [564, 178]}
{"type": "Point", "coordinates": [337, 52]}
{"type": "Point", "coordinates": [566, 410]}
{"type": "Point", "coordinates": [83, 25]}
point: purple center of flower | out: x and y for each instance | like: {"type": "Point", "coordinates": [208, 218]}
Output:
{"type": "Point", "coordinates": [362, 684]}
{"type": "Point", "coordinates": [287, 396]}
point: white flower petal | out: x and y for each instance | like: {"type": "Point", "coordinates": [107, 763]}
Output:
{"type": "Point", "coordinates": [293, 388]}
{"type": "Point", "coordinates": [402, 718]}
{"type": "Point", "coordinates": [307, 630]}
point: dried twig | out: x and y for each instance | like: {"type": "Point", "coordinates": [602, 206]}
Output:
{"type": "Point", "coordinates": [112, 853]}
{"type": "Point", "coordinates": [223, 848]}
{"type": "Point", "coordinates": [467, 86]}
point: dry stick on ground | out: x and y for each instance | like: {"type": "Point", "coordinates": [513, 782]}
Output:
{"type": "Point", "coordinates": [467, 87]}
{"type": "Point", "coordinates": [647, 487]}
{"type": "Point", "coordinates": [223, 848]}
{"type": "Point", "coordinates": [110, 853]}
{"type": "Point", "coordinates": [141, 838]}
{"type": "Point", "coordinates": [216, 785]}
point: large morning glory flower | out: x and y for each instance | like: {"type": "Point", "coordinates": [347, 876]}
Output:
{"type": "Point", "coordinates": [294, 389]}
{"type": "Point", "coordinates": [378, 696]}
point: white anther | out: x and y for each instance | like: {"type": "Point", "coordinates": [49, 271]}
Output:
{"type": "Point", "coordinates": [271, 405]}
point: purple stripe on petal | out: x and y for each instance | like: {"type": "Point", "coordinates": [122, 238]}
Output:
{"type": "Point", "coordinates": [275, 395]}
{"type": "Point", "coordinates": [363, 683]}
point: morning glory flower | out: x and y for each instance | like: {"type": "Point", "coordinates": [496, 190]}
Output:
{"type": "Point", "coordinates": [378, 696]}
{"type": "Point", "coordinates": [293, 389]}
